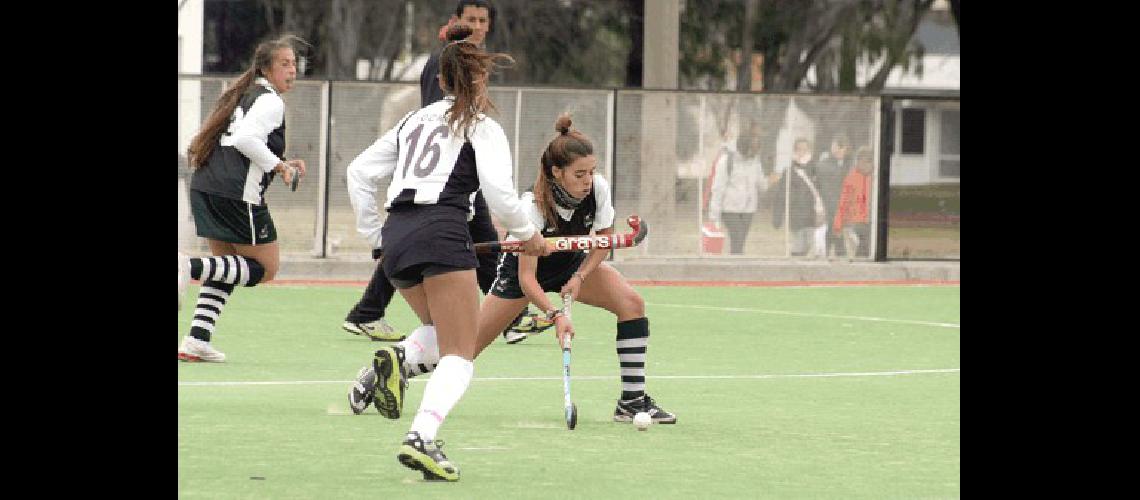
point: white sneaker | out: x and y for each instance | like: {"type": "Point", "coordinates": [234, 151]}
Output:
{"type": "Point", "coordinates": [375, 330]}
{"type": "Point", "coordinates": [514, 336]}
{"type": "Point", "coordinates": [193, 349]}
{"type": "Point", "coordinates": [183, 276]}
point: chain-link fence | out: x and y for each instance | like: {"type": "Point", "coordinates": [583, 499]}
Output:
{"type": "Point", "coordinates": [716, 175]}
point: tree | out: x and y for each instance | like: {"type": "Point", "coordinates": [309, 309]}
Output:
{"type": "Point", "coordinates": [706, 38]}
{"type": "Point", "coordinates": [890, 38]}
{"type": "Point", "coordinates": [598, 42]}
{"type": "Point", "coordinates": [795, 36]}
{"type": "Point", "coordinates": [341, 31]}
{"type": "Point", "coordinates": [579, 42]}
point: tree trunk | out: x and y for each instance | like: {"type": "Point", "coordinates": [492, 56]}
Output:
{"type": "Point", "coordinates": [744, 72]}
{"type": "Point", "coordinates": [270, 21]}
{"type": "Point", "coordinates": [848, 60]}
{"type": "Point", "coordinates": [634, 64]}
{"type": "Point", "coordinates": [389, 48]}
{"type": "Point", "coordinates": [826, 66]}
{"type": "Point", "coordinates": [808, 42]}
{"type": "Point", "coordinates": [811, 41]}
{"type": "Point", "coordinates": [345, 19]}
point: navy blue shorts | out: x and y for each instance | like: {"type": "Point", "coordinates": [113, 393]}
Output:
{"type": "Point", "coordinates": [551, 279]}
{"type": "Point", "coordinates": [425, 241]}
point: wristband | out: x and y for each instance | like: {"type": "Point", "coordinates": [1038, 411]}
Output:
{"type": "Point", "coordinates": [553, 314]}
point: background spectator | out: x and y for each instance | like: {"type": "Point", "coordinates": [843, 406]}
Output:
{"type": "Point", "coordinates": [738, 182]}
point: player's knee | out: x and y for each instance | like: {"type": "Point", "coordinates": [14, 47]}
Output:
{"type": "Point", "coordinates": [267, 272]}
{"type": "Point", "coordinates": [635, 305]}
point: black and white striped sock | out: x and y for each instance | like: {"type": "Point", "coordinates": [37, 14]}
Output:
{"type": "Point", "coordinates": [632, 343]}
{"type": "Point", "coordinates": [232, 269]}
{"type": "Point", "coordinates": [211, 300]}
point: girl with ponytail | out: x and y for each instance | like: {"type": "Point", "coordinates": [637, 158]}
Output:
{"type": "Point", "coordinates": [234, 158]}
{"type": "Point", "coordinates": [437, 156]}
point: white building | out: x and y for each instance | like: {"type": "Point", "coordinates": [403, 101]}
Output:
{"type": "Point", "coordinates": [928, 114]}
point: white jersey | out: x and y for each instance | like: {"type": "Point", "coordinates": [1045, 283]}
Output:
{"type": "Point", "coordinates": [430, 164]}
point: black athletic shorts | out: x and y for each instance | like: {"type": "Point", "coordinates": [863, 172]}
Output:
{"type": "Point", "coordinates": [552, 280]}
{"type": "Point", "coordinates": [232, 221]}
{"type": "Point", "coordinates": [425, 240]}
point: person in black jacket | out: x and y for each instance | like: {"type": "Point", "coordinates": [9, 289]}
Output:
{"type": "Point", "coordinates": [831, 169]}
{"type": "Point", "coordinates": [797, 200]}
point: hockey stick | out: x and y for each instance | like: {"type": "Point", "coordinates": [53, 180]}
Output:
{"type": "Point", "coordinates": [296, 178]}
{"type": "Point", "coordinates": [572, 243]}
{"type": "Point", "coordinates": [571, 409]}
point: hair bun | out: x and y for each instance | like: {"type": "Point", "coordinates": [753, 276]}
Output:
{"type": "Point", "coordinates": [562, 125]}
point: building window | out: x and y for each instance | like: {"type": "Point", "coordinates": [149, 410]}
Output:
{"type": "Point", "coordinates": [913, 131]}
{"type": "Point", "coordinates": [949, 160]}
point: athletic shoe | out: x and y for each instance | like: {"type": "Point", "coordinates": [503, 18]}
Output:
{"type": "Point", "coordinates": [530, 323]}
{"type": "Point", "coordinates": [376, 330]}
{"type": "Point", "coordinates": [513, 337]}
{"type": "Point", "coordinates": [426, 456]}
{"type": "Point", "coordinates": [627, 409]}
{"type": "Point", "coordinates": [183, 276]}
{"type": "Point", "coordinates": [526, 323]}
{"type": "Point", "coordinates": [363, 390]}
{"type": "Point", "coordinates": [193, 349]}
{"type": "Point", "coordinates": [391, 381]}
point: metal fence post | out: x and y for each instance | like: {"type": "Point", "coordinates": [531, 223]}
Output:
{"type": "Point", "coordinates": [325, 152]}
{"type": "Point", "coordinates": [883, 195]}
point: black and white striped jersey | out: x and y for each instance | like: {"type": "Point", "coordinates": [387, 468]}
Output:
{"type": "Point", "coordinates": [430, 164]}
{"type": "Point", "coordinates": [240, 166]}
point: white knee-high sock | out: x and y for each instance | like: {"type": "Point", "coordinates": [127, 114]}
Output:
{"type": "Point", "coordinates": [421, 351]}
{"type": "Point", "coordinates": [447, 384]}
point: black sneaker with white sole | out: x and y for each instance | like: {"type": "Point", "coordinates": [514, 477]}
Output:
{"type": "Point", "coordinates": [627, 409]}
{"type": "Point", "coordinates": [427, 457]}
{"type": "Point", "coordinates": [363, 390]}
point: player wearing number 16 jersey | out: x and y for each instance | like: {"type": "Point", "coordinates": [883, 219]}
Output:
{"type": "Point", "coordinates": [437, 156]}
{"type": "Point", "coordinates": [569, 199]}
{"type": "Point", "coordinates": [433, 180]}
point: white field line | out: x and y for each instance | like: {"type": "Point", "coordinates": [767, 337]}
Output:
{"type": "Point", "coordinates": [597, 377]}
{"type": "Point", "coordinates": [810, 315]}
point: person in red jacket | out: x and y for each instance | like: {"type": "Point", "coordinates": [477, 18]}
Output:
{"type": "Point", "coordinates": [852, 218]}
